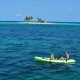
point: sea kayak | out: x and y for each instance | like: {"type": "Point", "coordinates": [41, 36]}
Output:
{"type": "Point", "coordinates": [70, 61]}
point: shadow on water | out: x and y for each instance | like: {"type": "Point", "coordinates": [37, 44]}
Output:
{"type": "Point", "coordinates": [56, 67]}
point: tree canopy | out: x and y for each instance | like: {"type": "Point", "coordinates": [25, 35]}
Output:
{"type": "Point", "coordinates": [40, 20]}
{"type": "Point", "coordinates": [29, 19]}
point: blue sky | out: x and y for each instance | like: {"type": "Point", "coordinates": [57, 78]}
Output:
{"type": "Point", "coordinates": [49, 10]}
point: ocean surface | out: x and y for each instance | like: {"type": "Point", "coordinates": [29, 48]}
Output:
{"type": "Point", "coordinates": [20, 42]}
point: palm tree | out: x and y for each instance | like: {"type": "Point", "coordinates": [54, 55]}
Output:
{"type": "Point", "coordinates": [28, 19]}
{"type": "Point", "coordinates": [40, 20]}
{"type": "Point", "coordinates": [31, 17]}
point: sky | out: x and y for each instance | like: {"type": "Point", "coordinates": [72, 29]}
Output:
{"type": "Point", "coordinates": [49, 10]}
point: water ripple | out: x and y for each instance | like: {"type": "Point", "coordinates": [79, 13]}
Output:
{"type": "Point", "coordinates": [19, 43]}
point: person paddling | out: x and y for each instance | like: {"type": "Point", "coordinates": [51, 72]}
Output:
{"type": "Point", "coordinates": [67, 56]}
{"type": "Point", "coordinates": [52, 56]}
{"type": "Point", "coordinates": [61, 58]}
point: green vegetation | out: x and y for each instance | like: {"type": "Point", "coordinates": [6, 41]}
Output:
{"type": "Point", "coordinates": [29, 19]}
{"type": "Point", "coordinates": [40, 20]}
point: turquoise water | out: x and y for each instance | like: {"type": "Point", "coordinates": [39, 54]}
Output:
{"type": "Point", "coordinates": [19, 43]}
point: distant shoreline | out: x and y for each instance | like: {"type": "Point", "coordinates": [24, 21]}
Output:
{"type": "Point", "coordinates": [36, 23]}
{"type": "Point", "coordinates": [39, 23]}
{"type": "Point", "coordinates": [23, 22]}
{"type": "Point", "coordinates": [47, 21]}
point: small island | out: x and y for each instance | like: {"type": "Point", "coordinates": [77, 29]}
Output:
{"type": "Point", "coordinates": [29, 19]}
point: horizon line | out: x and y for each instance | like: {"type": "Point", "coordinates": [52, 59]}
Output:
{"type": "Point", "coordinates": [47, 21]}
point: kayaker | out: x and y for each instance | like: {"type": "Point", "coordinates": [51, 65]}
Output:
{"type": "Point", "coordinates": [52, 56]}
{"type": "Point", "coordinates": [61, 57]}
{"type": "Point", "coordinates": [67, 56]}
